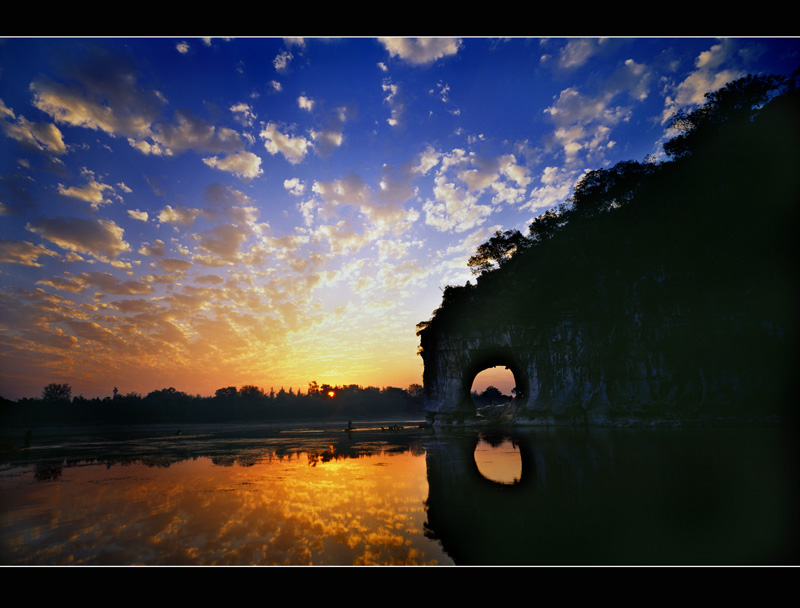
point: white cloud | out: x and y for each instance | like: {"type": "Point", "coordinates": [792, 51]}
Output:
{"type": "Point", "coordinates": [243, 114]}
{"type": "Point", "coordinates": [394, 102]}
{"type": "Point", "coordinates": [41, 136]}
{"type": "Point", "coordinates": [281, 62]}
{"type": "Point", "coordinates": [421, 51]}
{"type": "Point", "coordinates": [454, 209]}
{"type": "Point", "coordinates": [293, 148]}
{"type": "Point", "coordinates": [92, 192]}
{"type": "Point", "coordinates": [305, 103]}
{"type": "Point", "coordinates": [179, 215]}
{"type": "Point", "coordinates": [707, 77]}
{"type": "Point", "coordinates": [577, 52]}
{"type": "Point", "coordinates": [138, 215]}
{"type": "Point", "coordinates": [243, 164]}
{"type": "Point", "coordinates": [294, 185]}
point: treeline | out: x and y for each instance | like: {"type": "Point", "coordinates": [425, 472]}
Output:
{"type": "Point", "coordinates": [684, 267]}
{"type": "Point", "coordinates": [247, 404]}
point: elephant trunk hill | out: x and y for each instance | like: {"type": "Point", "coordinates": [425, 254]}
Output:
{"type": "Point", "coordinates": [658, 290]}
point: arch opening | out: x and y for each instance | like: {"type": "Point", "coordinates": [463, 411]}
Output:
{"type": "Point", "coordinates": [506, 371]}
{"type": "Point", "coordinates": [493, 386]}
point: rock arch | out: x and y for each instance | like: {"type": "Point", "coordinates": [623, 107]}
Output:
{"type": "Point", "coordinates": [452, 361]}
{"type": "Point", "coordinates": [552, 378]}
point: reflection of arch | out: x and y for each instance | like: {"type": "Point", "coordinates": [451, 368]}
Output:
{"type": "Point", "coordinates": [498, 464]}
{"type": "Point", "coordinates": [485, 358]}
{"type": "Point", "coordinates": [461, 457]}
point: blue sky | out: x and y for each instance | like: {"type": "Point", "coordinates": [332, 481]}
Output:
{"type": "Point", "coordinates": [201, 213]}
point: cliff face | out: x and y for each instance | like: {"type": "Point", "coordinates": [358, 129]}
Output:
{"type": "Point", "coordinates": [584, 373]}
{"type": "Point", "coordinates": [663, 290]}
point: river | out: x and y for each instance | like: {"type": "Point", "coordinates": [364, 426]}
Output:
{"type": "Point", "coordinates": [394, 493]}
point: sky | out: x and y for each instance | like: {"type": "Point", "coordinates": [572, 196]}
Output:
{"type": "Point", "coordinates": [200, 213]}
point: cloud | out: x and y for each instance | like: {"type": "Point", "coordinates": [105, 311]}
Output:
{"type": "Point", "coordinates": [220, 245]}
{"type": "Point", "coordinates": [138, 215]}
{"type": "Point", "coordinates": [190, 132]}
{"type": "Point", "coordinates": [179, 215]}
{"type": "Point", "coordinates": [577, 52]}
{"type": "Point", "coordinates": [222, 201]}
{"type": "Point", "coordinates": [421, 51]}
{"type": "Point", "coordinates": [104, 281]}
{"type": "Point", "coordinates": [454, 209]}
{"type": "Point", "coordinates": [173, 265]}
{"type": "Point", "coordinates": [22, 252]}
{"type": "Point", "coordinates": [293, 148]}
{"type": "Point", "coordinates": [331, 137]}
{"type": "Point", "coordinates": [41, 136]}
{"type": "Point", "coordinates": [707, 77]}
{"type": "Point", "coordinates": [393, 100]}
{"type": "Point", "coordinates": [295, 186]}
{"type": "Point", "coordinates": [156, 249]}
{"type": "Point", "coordinates": [305, 103]}
{"type": "Point", "coordinates": [100, 238]}
{"type": "Point", "coordinates": [245, 165]}
{"type": "Point", "coordinates": [101, 91]}
{"type": "Point", "coordinates": [92, 193]}
{"type": "Point", "coordinates": [281, 61]}
{"type": "Point", "coordinates": [243, 114]}
{"type": "Point", "coordinates": [584, 122]}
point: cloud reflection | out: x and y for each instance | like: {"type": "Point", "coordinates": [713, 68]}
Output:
{"type": "Point", "coordinates": [278, 510]}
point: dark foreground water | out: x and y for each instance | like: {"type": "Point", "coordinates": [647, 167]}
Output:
{"type": "Point", "coordinates": [292, 495]}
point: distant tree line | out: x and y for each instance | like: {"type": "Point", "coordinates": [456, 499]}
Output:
{"type": "Point", "coordinates": [246, 404]}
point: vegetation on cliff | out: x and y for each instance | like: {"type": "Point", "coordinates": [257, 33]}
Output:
{"type": "Point", "coordinates": [691, 259]}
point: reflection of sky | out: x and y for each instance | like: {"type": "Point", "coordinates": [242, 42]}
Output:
{"type": "Point", "coordinates": [501, 463]}
{"type": "Point", "coordinates": [366, 510]}
{"type": "Point", "coordinates": [206, 213]}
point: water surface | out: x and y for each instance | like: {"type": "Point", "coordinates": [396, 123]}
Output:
{"type": "Point", "coordinates": [315, 494]}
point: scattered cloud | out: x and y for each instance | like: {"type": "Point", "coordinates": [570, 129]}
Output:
{"type": "Point", "coordinates": [421, 51]}
{"type": "Point", "coordinates": [23, 252]}
{"type": "Point", "coordinates": [293, 148]}
{"type": "Point", "coordinates": [102, 239]}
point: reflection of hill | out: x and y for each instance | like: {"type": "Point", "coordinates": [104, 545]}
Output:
{"type": "Point", "coordinates": [603, 496]}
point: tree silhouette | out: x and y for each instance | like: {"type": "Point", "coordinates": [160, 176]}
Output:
{"type": "Point", "coordinates": [54, 393]}
{"type": "Point", "coordinates": [496, 251]}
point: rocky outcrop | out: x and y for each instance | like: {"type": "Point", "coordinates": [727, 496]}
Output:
{"type": "Point", "coordinates": [664, 290]}
{"type": "Point", "coordinates": [587, 374]}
